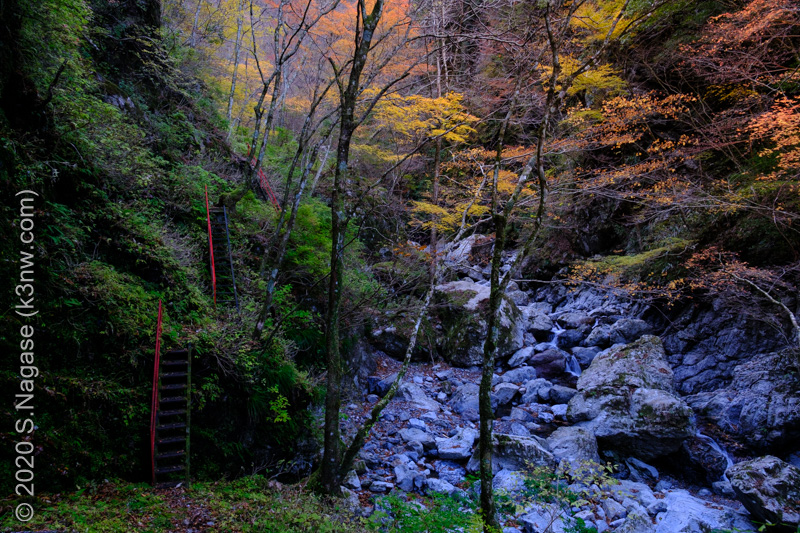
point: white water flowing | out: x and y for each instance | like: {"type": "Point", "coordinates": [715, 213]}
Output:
{"type": "Point", "coordinates": [573, 367]}
{"type": "Point", "coordinates": [719, 449]}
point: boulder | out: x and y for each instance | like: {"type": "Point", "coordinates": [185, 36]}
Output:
{"type": "Point", "coordinates": [536, 390]}
{"type": "Point", "coordinates": [423, 437]}
{"type": "Point", "coordinates": [459, 446]}
{"type": "Point", "coordinates": [514, 452]}
{"type": "Point", "coordinates": [574, 320]}
{"type": "Point", "coordinates": [465, 401]}
{"type": "Point", "coordinates": [760, 407]}
{"type": "Point", "coordinates": [544, 518]}
{"type": "Point", "coordinates": [503, 394]}
{"type": "Point", "coordinates": [626, 397]}
{"type": "Point", "coordinates": [576, 447]}
{"type": "Point", "coordinates": [380, 386]}
{"type": "Point", "coordinates": [549, 363]}
{"type": "Point", "coordinates": [414, 394]}
{"type": "Point", "coordinates": [769, 489]}
{"type": "Point", "coordinates": [518, 375]}
{"type": "Point", "coordinates": [449, 471]}
{"type": "Point", "coordinates": [687, 514]}
{"type": "Point", "coordinates": [539, 323]}
{"type": "Point", "coordinates": [520, 357]}
{"type": "Point", "coordinates": [628, 330]}
{"type": "Point", "coordinates": [509, 482]}
{"type": "Point", "coordinates": [461, 307]}
{"type": "Point", "coordinates": [561, 394]}
{"type": "Point", "coordinates": [442, 486]}
{"type": "Point", "coordinates": [585, 355]}
{"type": "Point", "coordinates": [599, 336]}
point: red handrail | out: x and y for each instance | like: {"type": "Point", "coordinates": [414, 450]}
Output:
{"type": "Point", "coordinates": [154, 402]}
{"type": "Point", "coordinates": [264, 182]}
{"type": "Point", "coordinates": [211, 248]}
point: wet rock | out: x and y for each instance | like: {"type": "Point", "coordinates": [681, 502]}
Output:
{"type": "Point", "coordinates": [459, 446]}
{"type": "Point", "coordinates": [572, 337]}
{"type": "Point", "coordinates": [769, 488]}
{"type": "Point", "coordinates": [585, 355]}
{"type": "Point", "coordinates": [549, 363]}
{"type": "Point", "coordinates": [599, 336]}
{"type": "Point", "coordinates": [627, 398]}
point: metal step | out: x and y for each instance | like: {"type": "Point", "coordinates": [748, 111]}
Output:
{"type": "Point", "coordinates": [176, 425]}
{"type": "Point", "coordinates": [173, 399]}
{"type": "Point", "coordinates": [168, 469]}
{"type": "Point", "coordinates": [174, 412]}
{"type": "Point", "coordinates": [171, 440]}
{"type": "Point", "coordinates": [170, 455]}
{"type": "Point", "coordinates": [173, 375]}
{"type": "Point", "coordinates": [173, 387]}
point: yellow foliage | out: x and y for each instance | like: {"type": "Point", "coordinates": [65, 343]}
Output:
{"type": "Point", "coordinates": [596, 17]}
{"type": "Point", "coordinates": [417, 116]}
{"type": "Point", "coordinates": [598, 78]}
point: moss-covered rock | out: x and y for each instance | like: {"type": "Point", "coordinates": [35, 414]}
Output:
{"type": "Point", "coordinates": [770, 489]}
{"type": "Point", "coordinates": [461, 308]}
{"type": "Point", "coordinates": [627, 398]}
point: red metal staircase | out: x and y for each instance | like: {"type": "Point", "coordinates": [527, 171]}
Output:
{"type": "Point", "coordinates": [170, 415]}
{"type": "Point", "coordinates": [223, 280]}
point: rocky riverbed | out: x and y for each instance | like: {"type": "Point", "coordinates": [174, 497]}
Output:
{"type": "Point", "coordinates": [583, 379]}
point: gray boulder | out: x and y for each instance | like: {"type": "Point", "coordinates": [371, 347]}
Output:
{"type": "Point", "coordinates": [575, 448]}
{"type": "Point", "coordinates": [628, 330]}
{"type": "Point", "coordinates": [414, 434]}
{"type": "Point", "coordinates": [626, 397]}
{"type": "Point", "coordinates": [537, 390]}
{"type": "Point", "coordinates": [503, 394]}
{"type": "Point", "coordinates": [769, 488]}
{"type": "Point", "coordinates": [459, 446]}
{"type": "Point", "coordinates": [585, 355]}
{"type": "Point", "coordinates": [413, 393]}
{"type": "Point", "coordinates": [550, 363]}
{"type": "Point", "coordinates": [465, 401]}
{"type": "Point", "coordinates": [575, 319]}
{"type": "Point", "coordinates": [461, 306]}
{"type": "Point", "coordinates": [513, 452]}
{"type": "Point", "coordinates": [520, 357]}
{"type": "Point", "coordinates": [760, 407]}
{"type": "Point", "coordinates": [687, 514]}
{"type": "Point", "coordinates": [518, 375]}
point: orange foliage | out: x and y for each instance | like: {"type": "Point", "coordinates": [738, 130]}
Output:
{"type": "Point", "coordinates": [780, 128]}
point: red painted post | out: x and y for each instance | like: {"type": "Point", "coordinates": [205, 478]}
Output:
{"type": "Point", "coordinates": [211, 248]}
{"type": "Point", "coordinates": [154, 402]}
